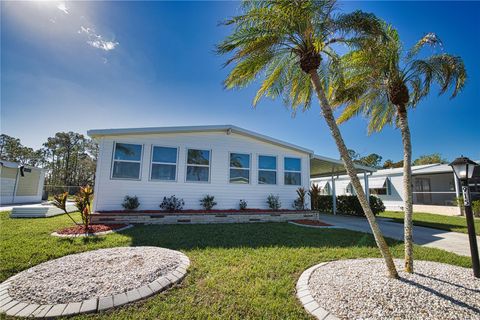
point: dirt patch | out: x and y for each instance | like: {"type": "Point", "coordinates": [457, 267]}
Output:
{"type": "Point", "coordinates": [94, 228]}
{"type": "Point", "coordinates": [316, 223]}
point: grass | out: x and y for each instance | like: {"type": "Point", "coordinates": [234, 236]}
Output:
{"type": "Point", "coordinates": [238, 271]}
{"type": "Point", "coordinates": [449, 223]}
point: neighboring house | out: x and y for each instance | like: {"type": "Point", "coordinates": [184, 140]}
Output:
{"type": "Point", "coordinates": [20, 184]}
{"type": "Point", "coordinates": [225, 161]}
{"type": "Point", "coordinates": [435, 188]}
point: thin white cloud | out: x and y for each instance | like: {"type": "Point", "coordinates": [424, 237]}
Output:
{"type": "Point", "coordinates": [102, 44]}
{"type": "Point", "coordinates": [63, 7]}
{"type": "Point", "coordinates": [96, 40]}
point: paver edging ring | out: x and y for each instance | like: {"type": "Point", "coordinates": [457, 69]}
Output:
{"type": "Point", "coordinates": [12, 307]}
{"type": "Point", "coordinates": [306, 298]}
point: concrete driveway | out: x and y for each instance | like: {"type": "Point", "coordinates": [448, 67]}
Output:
{"type": "Point", "coordinates": [449, 241]}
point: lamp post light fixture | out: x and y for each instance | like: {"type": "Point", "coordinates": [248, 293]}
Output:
{"type": "Point", "coordinates": [463, 169]}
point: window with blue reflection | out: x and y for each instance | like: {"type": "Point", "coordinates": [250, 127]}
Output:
{"type": "Point", "coordinates": [198, 165]}
{"type": "Point", "coordinates": [164, 154]}
{"type": "Point", "coordinates": [127, 161]}
{"type": "Point", "coordinates": [267, 162]}
{"type": "Point", "coordinates": [267, 170]}
{"type": "Point", "coordinates": [127, 151]}
{"type": "Point", "coordinates": [292, 164]}
{"type": "Point", "coordinates": [239, 168]}
{"type": "Point", "coordinates": [199, 157]}
{"type": "Point", "coordinates": [164, 164]}
{"type": "Point", "coordinates": [292, 171]}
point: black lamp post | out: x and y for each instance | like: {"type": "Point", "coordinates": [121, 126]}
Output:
{"type": "Point", "coordinates": [463, 169]}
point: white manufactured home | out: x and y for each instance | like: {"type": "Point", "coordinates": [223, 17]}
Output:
{"type": "Point", "coordinates": [225, 161]}
{"type": "Point", "coordinates": [435, 188]}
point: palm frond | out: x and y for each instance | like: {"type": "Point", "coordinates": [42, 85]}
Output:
{"type": "Point", "coordinates": [430, 39]}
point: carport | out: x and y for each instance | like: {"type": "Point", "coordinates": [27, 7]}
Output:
{"type": "Point", "coordinates": [321, 166]}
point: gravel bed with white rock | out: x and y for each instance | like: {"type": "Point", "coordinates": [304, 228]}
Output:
{"type": "Point", "coordinates": [98, 273]}
{"type": "Point", "coordinates": [360, 289]}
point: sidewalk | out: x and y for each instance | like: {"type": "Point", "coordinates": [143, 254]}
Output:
{"type": "Point", "coordinates": [449, 241]}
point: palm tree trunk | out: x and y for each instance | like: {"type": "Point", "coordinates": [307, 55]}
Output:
{"type": "Point", "coordinates": [407, 187]}
{"type": "Point", "coordinates": [349, 166]}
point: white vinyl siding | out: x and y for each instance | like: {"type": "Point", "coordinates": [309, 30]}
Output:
{"type": "Point", "coordinates": [164, 163]}
{"type": "Point", "coordinates": [239, 168]}
{"type": "Point", "coordinates": [127, 161]}
{"type": "Point", "coordinates": [110, 192]}
{"type": "Point", "coordinates": [267, 169]}
{"type": "Point", "coordinates": [292, 171]}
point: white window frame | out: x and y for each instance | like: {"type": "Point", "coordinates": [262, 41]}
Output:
{"type": "Point", "coordinates": [387, 189]}
{"type": "Point", "coordinates": [236, 168]}
{"type": "Point", "coordinates": [166, 163]}
{"type": "Point", "coordinates": [292, 171]}
{"type": "Point", "coordinates": [133, 161]}
{"type": "Point", "coordinates": [258, 170]}
{"type": "Point", "coordinates": [349, 190]}
{"type": "Point", "coordinates": [209, 166]}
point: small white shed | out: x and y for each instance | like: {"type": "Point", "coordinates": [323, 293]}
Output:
{"type": "Point", "coordinates": [20, 184]}
{"type": "Point", "coordinates": [225, 161]}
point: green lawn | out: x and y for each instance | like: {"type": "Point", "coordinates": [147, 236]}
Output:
{"type": "Point", "coordinates": [457, 224]}
{"type": "Point", "coordinates": [238, 271]}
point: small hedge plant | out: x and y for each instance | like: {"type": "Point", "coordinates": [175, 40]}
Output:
{"type": "Point", "coordinates": [299, 203]}
{"type": "Point", "coordinates": [314, 193]}
{"type": "Point", "coordinates": [349, 205]}
{"type": "Point", "coordinates": [130, 203]}
{"type": "Point", "coordinates": [172, 204]}
{"type": "Point", "coordinates": [476, 208]}
{"type": "Point", "coordinates": [274, 202]}
{"type": "Point", "coordinates": [242, 205]}
{"type": "Point", "coordinates": [208, 202]}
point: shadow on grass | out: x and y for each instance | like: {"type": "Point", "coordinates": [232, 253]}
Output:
{"type": "Point", "coordinates": [253, 235]}
{"type": "Point", "coordinates": [428, 224]}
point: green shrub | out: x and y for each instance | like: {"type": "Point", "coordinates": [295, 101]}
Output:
{"type": "Point", "coordinates": [299, 203]}
{"type": "Point", "coordinates": [274, 202]}
{"type": "Point", "coordinates": [376, 204]}
{"type": "Point", "coordinates": [324, 204]}
{"type": "Point", "coordinates": [349, 205]}
{"type": "Point", "coordinates": [172, 204]}
{"type": "Point", "coordinates": [242, 204]}
{"type": "Point", "coordinates": [83, 201]}
{"type": "Point", "coordinates": [476, 208]}
{"type": "Point", "coordinates": [130, 203]}
{"type": "Point", "coordinates": [459, 202]}
{"type": "Point", "coordinates": [208, 202]}
{"type": "Point", "coordinates": [314, 193]}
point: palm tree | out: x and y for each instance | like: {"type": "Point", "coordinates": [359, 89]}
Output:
{"type": "Point", "coordinates": [387, 82]}
{"type": "Point", "coordinates": [286, 42]}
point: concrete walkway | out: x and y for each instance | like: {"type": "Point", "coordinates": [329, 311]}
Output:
{"type": "Point", "coordinates": [449, 241]}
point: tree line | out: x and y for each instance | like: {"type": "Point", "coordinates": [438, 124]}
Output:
{"type": "Point", "coordinates": [68, 157]}
{"type": "Point", "coordinates": [374, 160]}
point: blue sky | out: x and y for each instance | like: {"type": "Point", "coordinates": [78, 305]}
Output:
{"type": "Point", "coordinates": [82, 65]}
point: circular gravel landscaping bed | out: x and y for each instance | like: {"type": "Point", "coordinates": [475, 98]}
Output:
{"type": "Point", "coordinates": [93, 230]}
{"type": "Point", "coordinates": [93, 281]}
{"type": "Point", "coordinates": [360, 289]}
